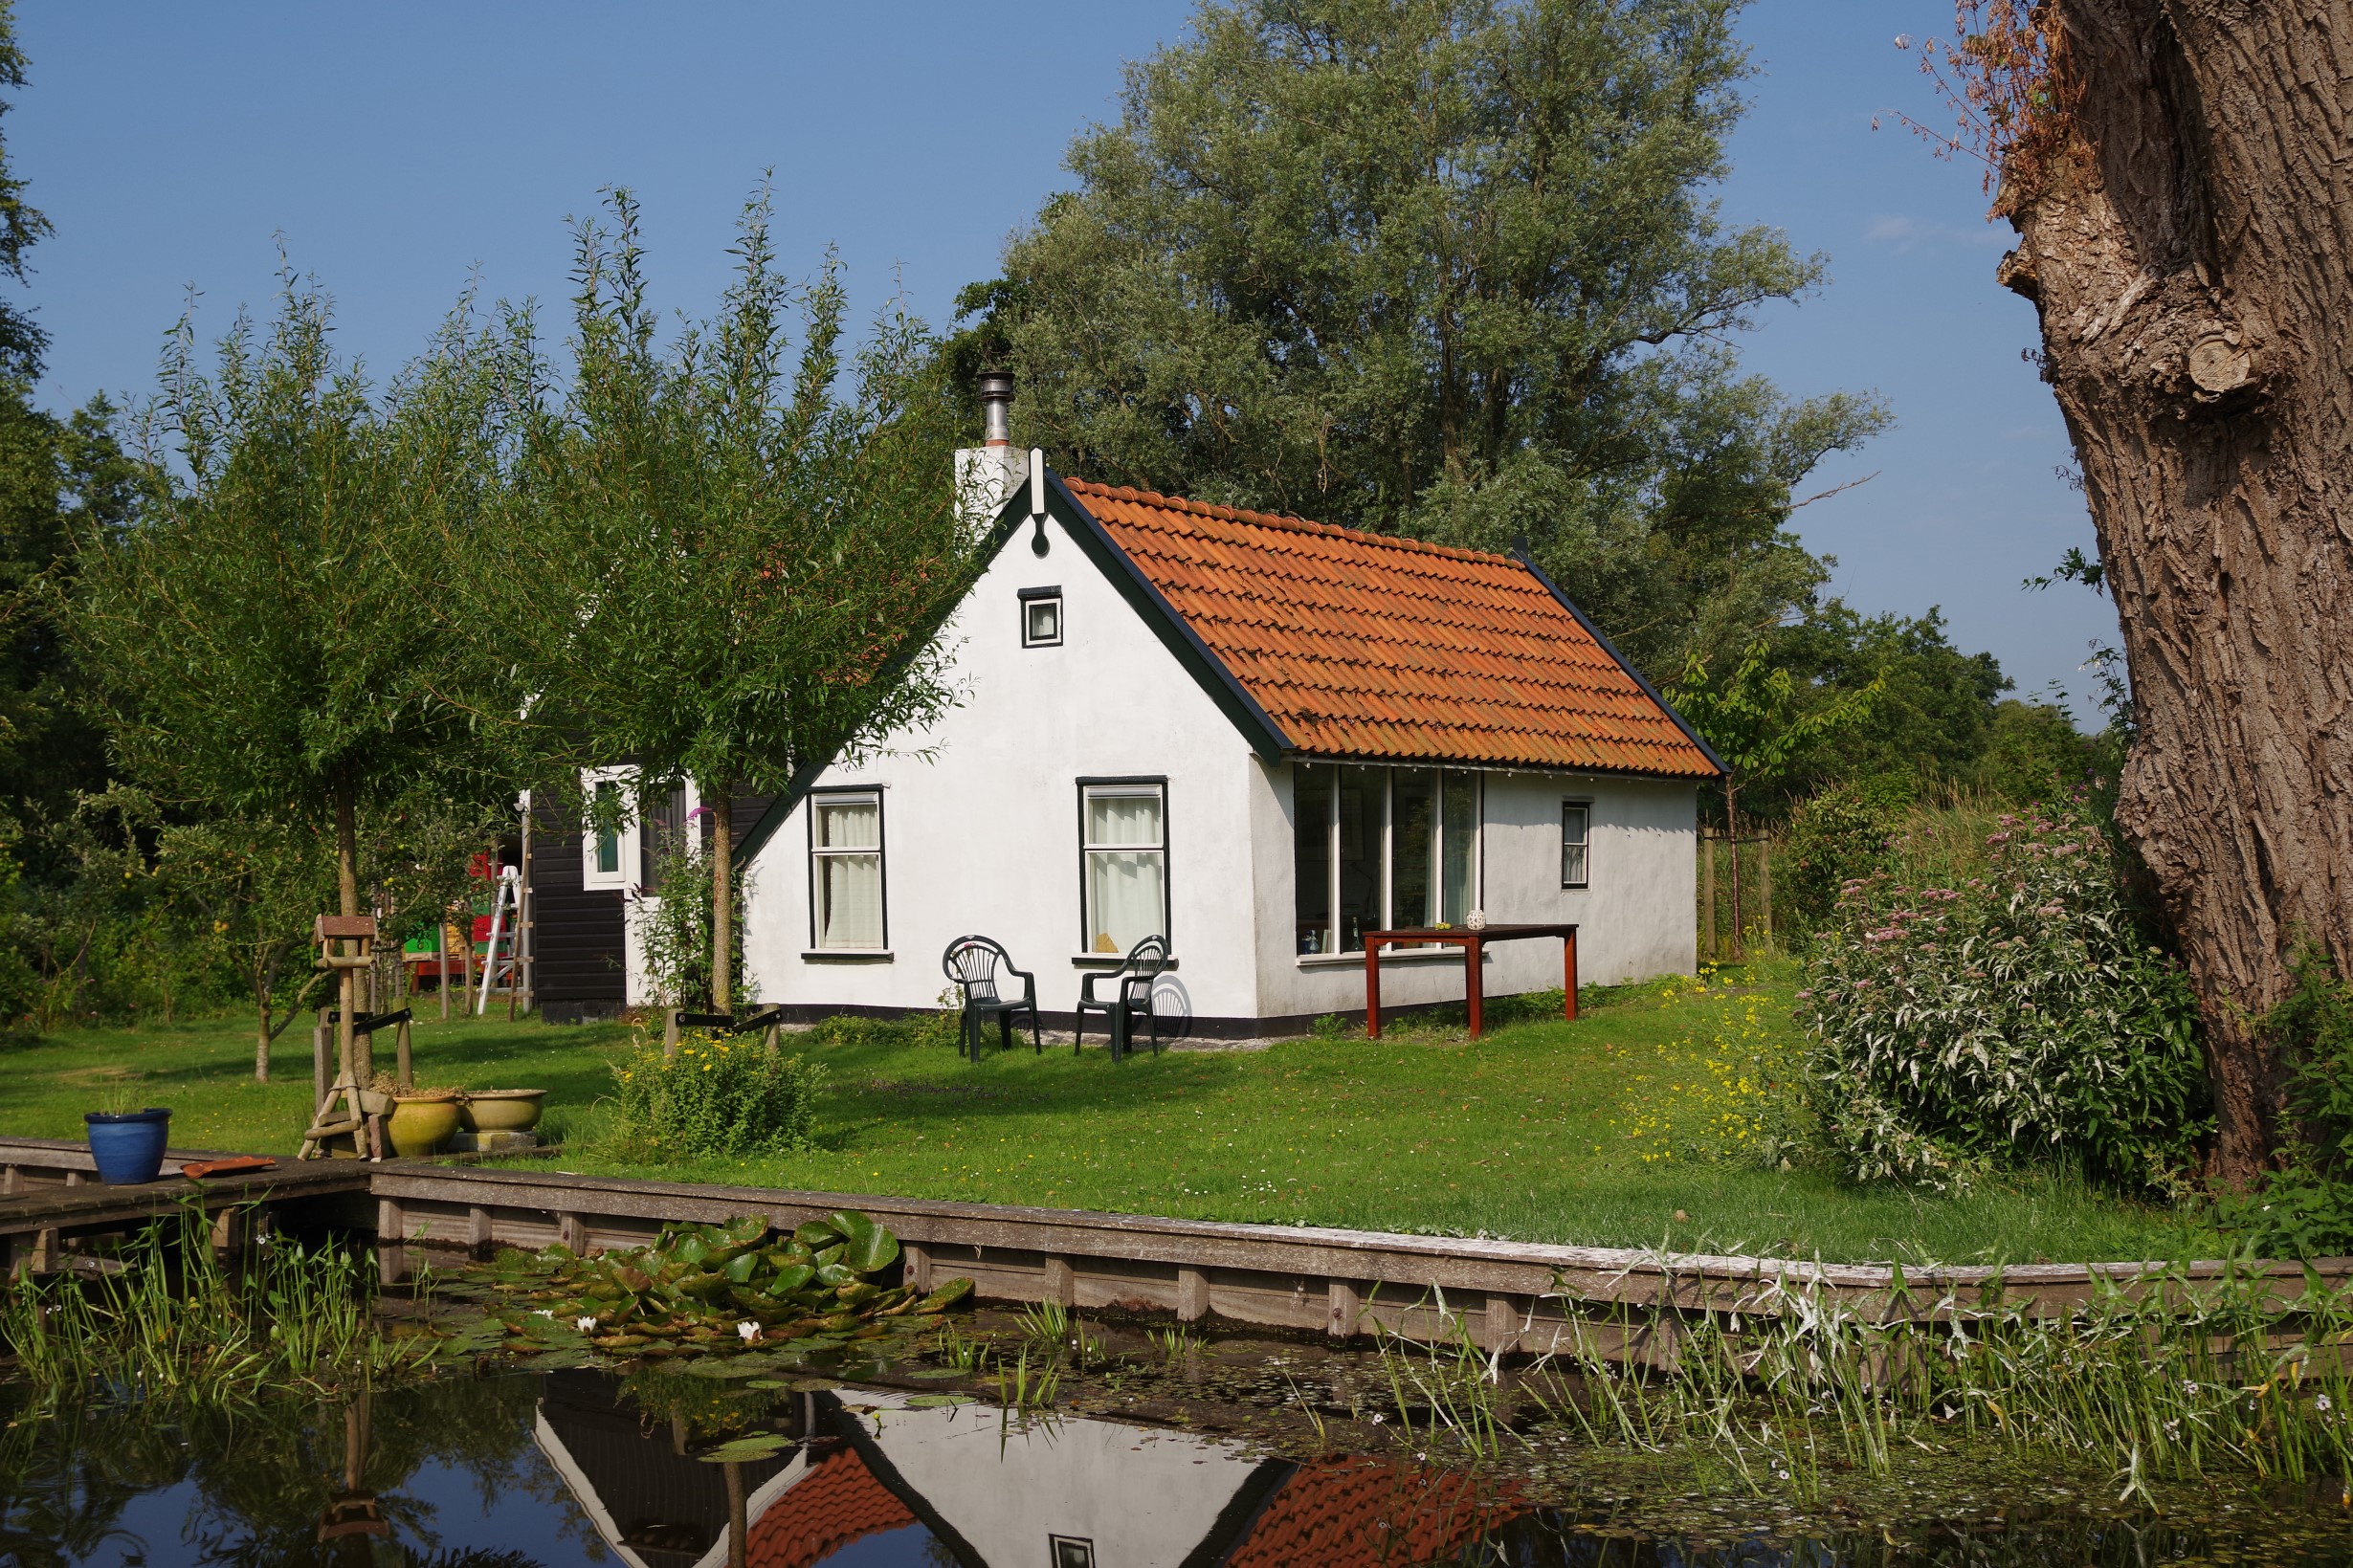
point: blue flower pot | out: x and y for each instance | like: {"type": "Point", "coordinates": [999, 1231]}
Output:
{"type": "Point", "coordinates": [129, 1148]}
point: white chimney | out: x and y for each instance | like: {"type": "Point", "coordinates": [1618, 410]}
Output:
{"type": "Point", "coordinates": [986, 473]}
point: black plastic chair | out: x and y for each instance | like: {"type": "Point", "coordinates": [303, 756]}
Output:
{"type": "Point", "coordinates": [973, 963]}
{"type": "Point", "coordinates": [1130, 998]}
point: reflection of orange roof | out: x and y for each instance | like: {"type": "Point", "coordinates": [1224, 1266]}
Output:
{"type": "Point", "coordinates": [837, 1502]}
{"type": "Point", "coordinates": [1364, 645]}
{"type": "Point", "coordinates": [1343, 1512]}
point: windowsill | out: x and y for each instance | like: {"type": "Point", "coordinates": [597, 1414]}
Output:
{"type": "Point", "coordinates": [846, 955]}
{"type": "Point", "coordinates": [1389, 957]}
{"type": "Point", "coordinates": [1107, 961]}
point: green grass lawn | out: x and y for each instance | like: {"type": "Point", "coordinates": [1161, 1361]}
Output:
{"type": "Point", "coordinates": [1597, 1132]}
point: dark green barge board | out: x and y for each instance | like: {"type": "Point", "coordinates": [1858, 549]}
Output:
{"type": "Point", "coordinates": [1508, 1295]}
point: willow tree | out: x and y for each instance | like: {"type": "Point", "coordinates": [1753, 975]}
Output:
{"type": "Point", "coordinates": [262, 637]}
{"type": "Point", "coordinates": [733, 554]}
{"type": "Point", "coordinates": [1450, 268]}
{"type": "Point", "coordinates": [2177, 171]}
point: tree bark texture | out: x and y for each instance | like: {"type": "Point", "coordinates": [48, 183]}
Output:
{"type": "Point", "coordinates": [2192, 263]}
{"type": "Point", "coordinates": [722, 897]}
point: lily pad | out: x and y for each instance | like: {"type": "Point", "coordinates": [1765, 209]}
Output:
{"type": "Point", "coordinates": [813, 1385]}
{"type": "Point", "coordinates": [934, 1402]}
{"type": "Point", "coordinates": [746, 1450]}
{"type": "Point", "coordinates": [932, 1373]}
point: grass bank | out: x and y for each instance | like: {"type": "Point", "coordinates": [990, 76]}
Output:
{"type": "Point", "coordinates": [1652, 1121]}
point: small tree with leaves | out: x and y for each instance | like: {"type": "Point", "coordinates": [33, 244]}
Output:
{"type": "Point", "coordinates": [263, 638]}
{"type": "Point", "coordinates": [734, 557]}
{"type": "Point", "coordinates": [1754, 719]}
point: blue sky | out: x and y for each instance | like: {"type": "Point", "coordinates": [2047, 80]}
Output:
{"type": "Point", "coordinates": [400, 149]}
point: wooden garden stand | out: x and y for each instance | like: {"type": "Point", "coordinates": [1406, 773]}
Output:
{"type": "Point", "coordinates": [1473, 945]}
{"type": "Point", "coordinates": [349, 1121]}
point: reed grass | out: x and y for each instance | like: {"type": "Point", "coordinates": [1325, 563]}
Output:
{"type": "Point", "coordinates": [2176, 1380]}
{"type": "Point", "coordinates": [180, 1322]}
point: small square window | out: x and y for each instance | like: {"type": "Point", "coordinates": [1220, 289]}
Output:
{"type": "Point", "coordinates": [1071, 1551]}
{"type": "Point", "coordinates": [1041, 617]}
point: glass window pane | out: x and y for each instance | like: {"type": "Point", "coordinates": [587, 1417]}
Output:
{"type": "Point", "coordinates": [1123, 897]}
{"type": "Point", "coordinates": [848, 900]}
{"type": "Point", "coordinates": [1576, 819]}
{"type": "Point", "coordinates": [1045, 620]}
{"type": "Point", "coordinates": [849, 824]}
{"type": "Point", "coordinates": [1310, 854]}
{"type": "Point", "coordinates": [1124, 819]}
{"type": "Point", "coordinates": [1413, 832]}
{"type": "Point", "coordinates": [607, 839]}
{"type": "Point", "coordinates": [1458, 848]}
{"type": "Point", "coordinates": [1362, 804]}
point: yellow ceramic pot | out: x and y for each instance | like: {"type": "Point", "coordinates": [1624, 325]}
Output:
{"type": "Point", "coordinates": [502, 1110]}
{"type": "Point", "coordinates": [421, 1123]}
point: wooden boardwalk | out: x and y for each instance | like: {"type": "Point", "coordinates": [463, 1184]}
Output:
{"type": "Point", "coordinates": [1508, 1295]}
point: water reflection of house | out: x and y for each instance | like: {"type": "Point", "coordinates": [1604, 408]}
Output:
{"type": "Point", "coordinates": [654, 1505]}
{"type": "Point", "coordinates": [951, 1486]}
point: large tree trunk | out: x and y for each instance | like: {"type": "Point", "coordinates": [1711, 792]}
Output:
{"type": "Point", "coordinates": [2191, 256]}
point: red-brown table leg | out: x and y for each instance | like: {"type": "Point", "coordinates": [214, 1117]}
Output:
{"type": "Point", "coordinates": [1471, 985]}
{"type": "Point", "coordinates": [1372, 990]}
{"type": "Point", "coordinates": [1569, 976]}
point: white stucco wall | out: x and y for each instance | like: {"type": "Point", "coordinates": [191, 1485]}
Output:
{"type": "Point", "coordinates": [982, 834]}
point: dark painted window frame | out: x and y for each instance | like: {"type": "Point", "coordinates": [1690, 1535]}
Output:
{"type": "Point", "coordinates": [1167, 856]}
{"type": "Point", "coordinates": [882, 860]}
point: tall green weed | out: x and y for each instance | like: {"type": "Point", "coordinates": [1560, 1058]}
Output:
{"type": "Point", "coordinates": [2305, 1209]}
{"type": "Point", "coordinates": [720, 1097]}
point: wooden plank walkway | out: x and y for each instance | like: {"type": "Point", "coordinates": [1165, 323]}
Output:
{"type": "Point", "coordinates": [1508, 1295]}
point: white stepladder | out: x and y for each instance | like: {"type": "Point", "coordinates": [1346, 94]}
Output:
{"type": "Point", "coordinates": [509, 901]}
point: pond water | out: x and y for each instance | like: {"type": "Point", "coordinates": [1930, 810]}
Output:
{"type": "Point", "coordinates": [537, 1470]}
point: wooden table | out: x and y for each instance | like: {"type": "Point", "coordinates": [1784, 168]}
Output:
{"type": "Point", "coordinates": [1473, 945]}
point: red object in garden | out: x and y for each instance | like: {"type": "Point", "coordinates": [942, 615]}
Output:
{"type": "Point", "coordinates": [1473, 945]}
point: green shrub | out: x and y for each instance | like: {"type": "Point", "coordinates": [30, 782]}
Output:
{"type": "Point", "coordinates": [2306, 1210]}
{"type": "Point", "coordinates": [1835, 837]}
{"type": "Point", "coordinates": [721, 1095]}
{"type": "Point", "coordinates": [918, 1030]}
{"type": "Point", "coordinates": [2018, 1017]}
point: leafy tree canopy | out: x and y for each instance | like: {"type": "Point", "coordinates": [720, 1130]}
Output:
{"type": "Point", "coordinates": [1441, 266]}
{"type": "Point", "coordinates": [263, 635]}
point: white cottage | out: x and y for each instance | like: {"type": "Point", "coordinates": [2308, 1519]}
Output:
{"type": "Point", "coordinates": [1257, 735]}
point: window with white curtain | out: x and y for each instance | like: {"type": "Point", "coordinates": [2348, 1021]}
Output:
{"type": "Point", "coordinates": [1123, 871]}
{"type": "Point", "coordinates": [844, 870]}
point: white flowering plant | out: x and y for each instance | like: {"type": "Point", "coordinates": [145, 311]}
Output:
{"type": "Point", "coordinates": [2016, 1018]}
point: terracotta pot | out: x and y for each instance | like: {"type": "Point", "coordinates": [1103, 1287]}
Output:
{"type": "Point", "coordinates": [502, 1110]}
{"type": "Point", "coordinates": [421, 1123]}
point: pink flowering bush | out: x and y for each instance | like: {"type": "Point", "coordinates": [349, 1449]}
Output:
{"type": "Point", "coordinates": [2017, 1018]}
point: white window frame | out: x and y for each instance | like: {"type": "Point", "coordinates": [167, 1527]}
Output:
{"type": "Point", "coordinates": [1092, 789]}
{"type": "Point", "coordinates": [1582, 805]}
{"type": "Point", "coordinates": [626, 843]}
{"type": "Point", "coordinates": [1030, 597]}
{"type": "Point", "coordinates": [1386, 794]}
{"type": "Point", "coordinates": [819, 853]}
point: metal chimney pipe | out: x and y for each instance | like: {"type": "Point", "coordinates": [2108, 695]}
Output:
{"type": "Point", "coordinates": [996, 404]}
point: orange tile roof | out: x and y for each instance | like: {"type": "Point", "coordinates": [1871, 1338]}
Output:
{"type": "Point", "coordinates": [1364, 1512]}
{"type": "Point", "coordinates": [1367, 645]}
{"type": "Point", "coordinates": [837, 1502]}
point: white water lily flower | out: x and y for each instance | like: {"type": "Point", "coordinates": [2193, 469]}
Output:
{"type": "Point", "coordinates": [583, 1323]}
{"type": "Point", "coordinates": [2320, 1402]}
{"type": "Point", "coordinates": [748, 1329]}
{"type": "Point", "coordinates": [544, 1312]}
